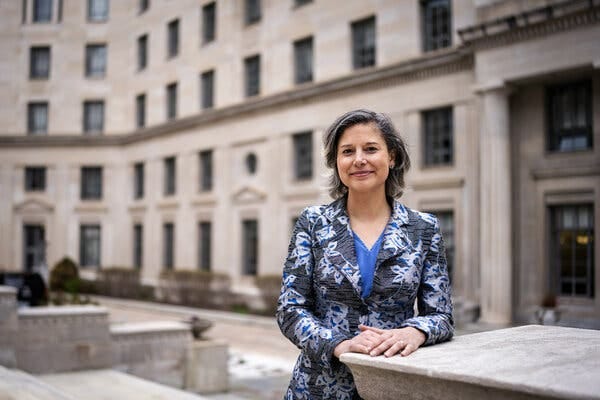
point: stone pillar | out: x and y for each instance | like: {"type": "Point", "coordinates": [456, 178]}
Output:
{"type": "Point", "coordinates": [206, 367]}
{"type": "Point", "coordinates": [9, 326]}
{"type": "Point", "coordinates": [496, 211]}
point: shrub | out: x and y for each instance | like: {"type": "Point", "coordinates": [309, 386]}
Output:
{"type": "Point", "coordinates": [270, 287]}
{"type": "Point", "coordinates": [194, 288]}
{"type": "Point", "coordinates": [65, 276]}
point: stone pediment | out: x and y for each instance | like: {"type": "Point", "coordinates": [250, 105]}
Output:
{"type": "Point", "coordinates": [34, 206]}
{"type": "Point", "coordinates": [249, 194]}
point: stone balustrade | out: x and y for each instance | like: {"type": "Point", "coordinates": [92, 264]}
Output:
{"type": "Point", "coordinates": [523, 363]}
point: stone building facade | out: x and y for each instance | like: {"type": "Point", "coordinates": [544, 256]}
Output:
{"type": "Point", "coordinates": [185, 135]}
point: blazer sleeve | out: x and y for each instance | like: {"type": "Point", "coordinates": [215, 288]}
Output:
{"type": "Point", "coordinates": [434, 299]}
{"type": "Point", "coordinates": [296, 304]}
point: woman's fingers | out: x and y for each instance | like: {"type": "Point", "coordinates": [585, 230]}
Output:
{"type": "Point", "coordinates": [370, 328]}
{"type": "Point", "coordinates": [408, 349]}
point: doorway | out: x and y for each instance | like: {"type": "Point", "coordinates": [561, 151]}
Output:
{"type": "Point", "coordinates": [34, 247]}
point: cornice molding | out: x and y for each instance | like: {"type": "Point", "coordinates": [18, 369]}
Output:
{"type": "Point", "coordinates": [442, 62]}
{"type": "Point", "coordinates": [539, 22]}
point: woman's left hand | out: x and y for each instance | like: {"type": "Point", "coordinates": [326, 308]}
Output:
{"type": "Point", "coordinates": [403, 340]}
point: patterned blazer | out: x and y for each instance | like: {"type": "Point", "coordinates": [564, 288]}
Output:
{"type": "Point", "coordinates": [320, 304]}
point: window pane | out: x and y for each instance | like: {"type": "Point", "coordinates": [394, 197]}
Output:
{"type": "Point", "coordinates": [303, 155]}
{"type": "Point", "coordinates": [35, 179]}
{"type": "Point", "coordinates": [250, 247]}
{"type": "Point", "coordinates": [39, 59]}
{"type": "Point", "coordinates": [138, 245]}
{"type": "Point", "coordinates": [144, 5]}
{"type": "Point", "coordinates": [173, 38]}
{"type": "Point", "coordinates": [91, 183]}
{"type": "Point", "coordinates": [569, 116]}
{"type": "Point", "coordinates": [42, 10]}
{"type": "Point", "coordinates": [97, 10]}
{"type": "Point", "coordinates": [252, 74]}
{"type": "Point", "coordinates": [204, 243]}
{"type": "Point", "coordinates": [208, 22]}
{"type": "Point", "coordinates": [93, 117]}
{"type": "Point", "coordinates": [207, 89]}
{"type": "Point", "coordinates": [170, 172]}
{"type": "Point", "coordinates": [89, 246]}
{"type": "Point", "coordinates": [138, 181]}
{"type": "Point", "coordinates": [168, 243]}
{"type": "Point", "coordinates": [303, 60]}
{"type": "Point", "coordinates": [438, 136]}
{"type": "Point", "coordinates": [436, 20]}
{"type": "Point", "coordinates": [37, 118]}
{"type": "Point", "coordinates": [363, 43]}
{"type": "Point", "coordinates": [140, 111]}
{"type": "Point", "coordinates": [252, 11]}
{"type": "Point", "coordinates": [172, 101]}
{"type": "Point", "coordinates": [95, 60]}
{"type": "Point", "coordinates": [142, 46]}
{"type": "Point", "coordinates": [206, 171]}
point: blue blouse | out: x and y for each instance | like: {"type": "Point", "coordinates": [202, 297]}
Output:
{"type": "Point", "coordinates": [366, 262]}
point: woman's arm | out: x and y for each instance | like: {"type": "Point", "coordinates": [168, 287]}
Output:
{"type": "Point", "coordinates": [295, 308]}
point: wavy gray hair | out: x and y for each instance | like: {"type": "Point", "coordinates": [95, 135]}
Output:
{"type": "Point", "coordinates": [394, 185]}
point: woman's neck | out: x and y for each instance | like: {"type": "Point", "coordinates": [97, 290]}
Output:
{"type": "Point", "coordinates": [367, 206]}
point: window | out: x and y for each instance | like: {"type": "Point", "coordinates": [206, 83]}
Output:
{"type": "Point", "coordinates": [173, 38]}
{"type": "Point", "coordinates": [170, 174]}
{"type": "Point", "coordinates": [207, 89]}
{"type": "Point", "coordinates": [39, 62]}
{"type": "Point", "coordinates": [37, 118]}
{"type": "Point", "coordinates": [438, 135]}
{"type": "Point", "coordinates": [138, 246]}
{"type": "Point", "coordinates": [91, 183]}
{"type": "Point", "coordinates": [95, 60]}
{"type": "Point", "coordinates": [446, 221]}
{"type": "Point", "coordinates": [168, 245]}
{"type": "Point", "coordinates": [251, 163]}
{"type": "Point", "coordinates": [89, 245]}
{"type": "Point", "coordinates": [204, 240]}
{"type": "Point", "coordinates": [97, 10]}
{"type": "Point", "coordinates": [303, 156]}
{"type": "Point", "coordinates": [569, 116]}
{"type": "Point", "coordinates": [138, 180]}
{"type": "Point", "coordinates": [252, 11]}
{"type": "Point", "coordinates": [299, 3]}
{"type": "Point", "coordinates": [436, 22]}
{"type": "Point", "coordinates": [363, 43]}
{"type": "Point", "coordinates": [42, 10]}
{"type": "Point", "coordinates": [140, 111]}
{"type": "Point", "coordinates": [303, 60]}
{"type": "Point", "coordinates": [252, 73]}
{"type": "Point", "coordinates": [35, 179]}
{"type": "Point", "coordinates": [172, 101]}
{"type": "Point", "coordinates": [142, 52]}
{"type": "Point", "coordinates": [143, 5]}
{"type": "Point", "coordinates": [206, 171]}
{"type": "Point", "coordinates": [572, 249]}
{"type": "Point", "coordinates": [208, 22]}
{"type": "Point", "coordinates": [250, 246]}
{"type": "Point", "coordinates": [93, 116]}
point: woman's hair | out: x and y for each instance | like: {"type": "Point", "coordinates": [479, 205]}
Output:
{"type": "Point", "coordinates": [394, 185]}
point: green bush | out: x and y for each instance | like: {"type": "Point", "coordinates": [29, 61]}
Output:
{"type": "Point", "coordinates": [194, 288]}
{"type": "Point", "coordinates": [64, 276]}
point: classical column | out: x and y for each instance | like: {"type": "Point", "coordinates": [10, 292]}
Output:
{"type": "Point", "coordinates": [496, 211]}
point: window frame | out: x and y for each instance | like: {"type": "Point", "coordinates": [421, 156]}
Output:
{"type": "Point", "coordinates": [83, 249]}
{"type": "Point", "coordinates": [207, 89]}
{"type": "Point", "coordinates": [170, 176]}
{"type": "Point", "coordinates": [142, 52]}
{"type": "Point", "coordinates": [138, 180]}
{"type": "Point", "coordinates": [138, 246]}
{"type": "Point", "coordinates": [303, 49]}
{"type": "Point", "coordinates": [173, 38]}
{"type": "Point", "coordinates": [171, 99]}
{"type": "Point", "coordinates": [96, 60]}
{"type": "Point", "coordinates": [46, 17]}
{"type": "Point", "coordinates": [140, 111]}
{"type": "Point", "coordinates": [205, 163]}
{"type": "Point", "coordinates": [204, 246]}
{"type": "Point", "coordinates": [209, 22]}
{"type": "Point", "coordinates": [35, 73]}
{"type": "Point", "coordinates": [252, 76]}
{"type": "Point", "coordinates": [91, 186]}
{"type": "Point", "coordinates": [429, 43]}
{"type": "Point", "coordinates": [301, 158]}
{"type": "Point", "coordinates": [364, 55]}
{"type": "Point", "coordinates": [32, 122]}
{"type": "Point", "coordinates": [91, 126]}
{"type": "Point", "coordinates": [250, 247]}
{"type": "Point", "coordinates": [432, 135]}
{"type": "Point", "coordinates": [252, 12]}
{"type": "Point", "coordinates": [91, 17]}
{"type": "Point", "coordinates": [168, 260]}
{"type": "Point", "coordinates": [35, 178]}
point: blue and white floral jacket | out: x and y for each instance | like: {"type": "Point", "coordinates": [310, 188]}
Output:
{"type": "Point", "coordinates": [321, 305]}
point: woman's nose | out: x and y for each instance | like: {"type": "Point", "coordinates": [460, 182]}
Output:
{"type": "Point", "coordinates": [359, 159]}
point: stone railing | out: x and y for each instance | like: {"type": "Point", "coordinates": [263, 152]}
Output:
{"type": "Point", "coordinates": [528, 362]}
{"type": "Point", "coordinates": [67, 338]}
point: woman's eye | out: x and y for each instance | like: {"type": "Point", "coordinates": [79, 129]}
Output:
{"type": "Point", "coordinates": [347, 151]}
{"type": "Point", "coordinates": [371, 149]}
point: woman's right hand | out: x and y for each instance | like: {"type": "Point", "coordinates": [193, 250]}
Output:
{"type": "Point", "coordinates": [363, 343]}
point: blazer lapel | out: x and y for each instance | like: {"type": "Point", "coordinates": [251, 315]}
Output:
{"type": "Point", "coordinates": [395, 239]}
{"type": "Point", "coordinates": [338, 243]}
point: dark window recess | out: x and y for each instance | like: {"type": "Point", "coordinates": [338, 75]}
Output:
{"type": "Point", "coordinates": [172, 101]}
{"type": "Point", "coordinates": [138, 246]}
{"type": "Point", "coordinates": [569, 117]}
{"type": "Point", "coordinates": [252, 11]}
{"type": "Point", "coordinates": [91, 183]}
{"type": "Point", "coordinates": [206, 170]}
{"type": "Point", "coordinates": [170, 176]}
{"type": "Point", "coordinates": [252, 75]}
{"type": "Point", "coordinates": [93, 117]}
{"type": "Point", "coordinates": [446, 221]}
{"type": "Point", "coordinates": [143, 5]}
{"type": "Point", "coordinates": [303, 60]}
{"type": "Point", "coordinates": [39, 62]}
{"type": "Point", "coordinates": [300, 3]}
{"type": "Point", "coordinates": [89, 245]}
{"type": "Point", "coordinates": [142, 52]}
{"type": "Point", "coordinates": [95, 60]}
{"type": "Point", "coordinates": [207, 82]}
{"type": "Point", "coordinates": [168, 246]}
{"type": "Point", "coordinates": [436, 22]}
{"type": "Point", "coordinates": [42, 10]}
{"type": "Point", "coordinates": [303, 156]}
{"type": "Point", "coordinates": [97, 10]}
{"type": "Point", "coordinates": [173, 38]}
{"type": "Point", "coordinates": [140, 111]}
{"type": "Point", "coordinates": [438, 136]}
{"type": "Point", "coordinates": [138, 180]}
{"type": "Point", "coordinates": [251, 163]}
{"type": "Point", "coordinates": [35, 179]}
{"type": "Point", "coordinates": [37, 118]}
{"type": "Point", "coordinates": [209, 12]}
{"type": "Point", "coordinates": [572, 250]}
{"type": "Point", "coordinates": [363, 43]}
{"type": "Point", "coordinates": [250, 246]}
{"type": "Point", "coordinates": [204, 244]}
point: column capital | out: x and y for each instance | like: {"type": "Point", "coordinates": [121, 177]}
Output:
{"type": "Point", "coordinates": [493, 86]}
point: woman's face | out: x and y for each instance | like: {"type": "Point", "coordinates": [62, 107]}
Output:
{"type": "Point", "coordinates": [363, 160]}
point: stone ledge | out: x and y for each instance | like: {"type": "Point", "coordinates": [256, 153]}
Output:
{"type": "Point", "coordinates": [133, 328]}
{"type": "Point", "coordinates": [529, 362]}
{"type": "Point", "coordinates": [62, 311]}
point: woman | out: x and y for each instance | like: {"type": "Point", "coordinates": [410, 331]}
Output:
{"type": "Point", "coordinates": [356, 266]}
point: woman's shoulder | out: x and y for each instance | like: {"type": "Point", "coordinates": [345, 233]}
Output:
{"type": "Point", "coordinates": [413, 216]}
